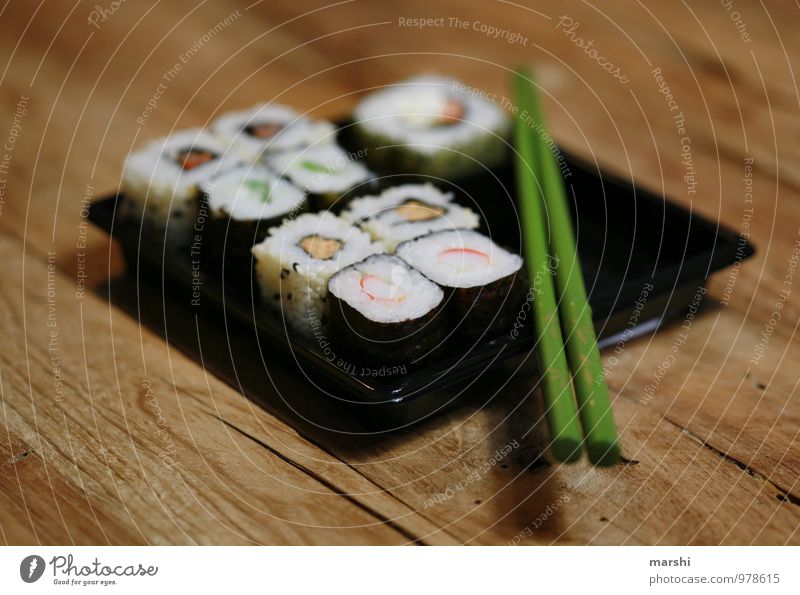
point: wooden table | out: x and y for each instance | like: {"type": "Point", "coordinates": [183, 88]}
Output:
{"type": "Point", "coordinates": [113, 436]}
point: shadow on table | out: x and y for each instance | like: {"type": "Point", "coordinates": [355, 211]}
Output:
{"type": "Point", "coordinates": [271, 377]}
{"type": "Point", "coordinates": [275, 382]}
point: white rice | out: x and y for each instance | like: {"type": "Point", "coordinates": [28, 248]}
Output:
{"type": "Point", "coordinates": [292, 280]}
{"type": "Point", "coordinates": [320, 169]}
{"type": "Point", "coordinates": [296, 131]}
{"type": "Point", "coordinates": [385, 219]}
{"type": "Point", "coordinates": [461, 258]}
{"type": "Point", "coordinates": [385, 289]}
{"type": "Point", "coordinates": [251, 192]}
{"type": "Point", "coordinates": [160, 190]}
{"type": "Point", "coordinates": [409, 113]}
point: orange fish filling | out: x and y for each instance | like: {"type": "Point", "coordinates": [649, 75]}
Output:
{"type": "Point", "coordinates": [192, 158]}
{"type": "Point", "coordinates": [452, 113]}
{"type": "Point", "coordinates": [320, 247]}
{"type": "Point", "coordinates": [416, 210]}
{"type": "Point", "coordinates": [265, 130]}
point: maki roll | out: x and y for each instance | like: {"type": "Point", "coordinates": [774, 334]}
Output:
{"type": "Point", "coordinates": [270, 127]}
{"type": "Point", "coordinates": [237, 209]}
{"type": "Point", "coordinates": [432, 126]}
{"type": "Point", "coordinates": [485, 283]}
{"type": "Point", "coordinates": [385, 309]}
{"type": "Point", "coordinates": [294, 264]}
{"type": "Point", "coordinates": [160, 180]}
{"type": "Point", "coordinates": [327, 173]}
{"type": "Point", "coordinates": [408, 211]}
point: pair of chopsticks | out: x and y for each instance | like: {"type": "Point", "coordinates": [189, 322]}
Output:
{"type": "Point", "coordinates": [566, 345]}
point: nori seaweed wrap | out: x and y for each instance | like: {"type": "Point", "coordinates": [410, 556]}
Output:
{"type": "Point", "coordinates": [237, 209]}
{"type": "Point", "coordinates": [384, 310]}
{"type": "Point", "coordinates": [485, 283]}
{"type": "Point", "coordinates": [432, 126]}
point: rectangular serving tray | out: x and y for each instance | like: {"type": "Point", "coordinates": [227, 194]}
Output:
{"type": "Point", "coordinates": [632, 244]}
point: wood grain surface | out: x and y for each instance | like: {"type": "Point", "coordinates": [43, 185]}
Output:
{"type": "Point", "coordinates": [112, 435]}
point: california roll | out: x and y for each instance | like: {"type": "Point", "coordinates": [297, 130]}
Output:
{"type": "Point", "coordinates": [271, 127]}
{"type": "Point", "coordinates": [327, 173]}
{"type": "Point", "coordinates": [430, 125]}
{"type": "Point", "coordinates": [408, 211]}
{"type": "Point", "coordinates": [383, 308]}
{"type": "Point", "coordinates": [484, 282]}
{"type": "Point", "coordinates": [294, 264]}
{"type": "Point", "coordinates": [161, 180]}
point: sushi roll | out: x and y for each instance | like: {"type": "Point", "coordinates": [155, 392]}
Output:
{"type": "Point", "coordinates": [408, 211]}
{"type": "Point", "coordinates": [160, 180]}
{"type": "Point", "coordinates": [237, 209]}
{"type": "Point", "coordinates": [432, 126]}
{"type": "Point", "coordinates": [271, 127]}
{"type": "Point", "coordinates": [295, 262]}
{"type": "Point", "coordinates": [327, 173]}
{"type": "Point", "coordinates": [384, 309]}
{"type": "Point", "coordinates": [484, 282]}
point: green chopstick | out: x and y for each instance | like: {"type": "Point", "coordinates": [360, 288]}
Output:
{"type": "Point", "coordinates": [583, 354]}
{"type": "Point", "coordinates": [562, 415]}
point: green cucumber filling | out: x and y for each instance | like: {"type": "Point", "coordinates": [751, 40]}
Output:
{"type": "Point", "coordinates": [315, 166]}
{"type": "Point", "coordinates": [260, 190]}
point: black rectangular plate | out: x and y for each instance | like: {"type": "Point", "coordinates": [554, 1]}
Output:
{"type": "Point", "coordinates": [631, 242]}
